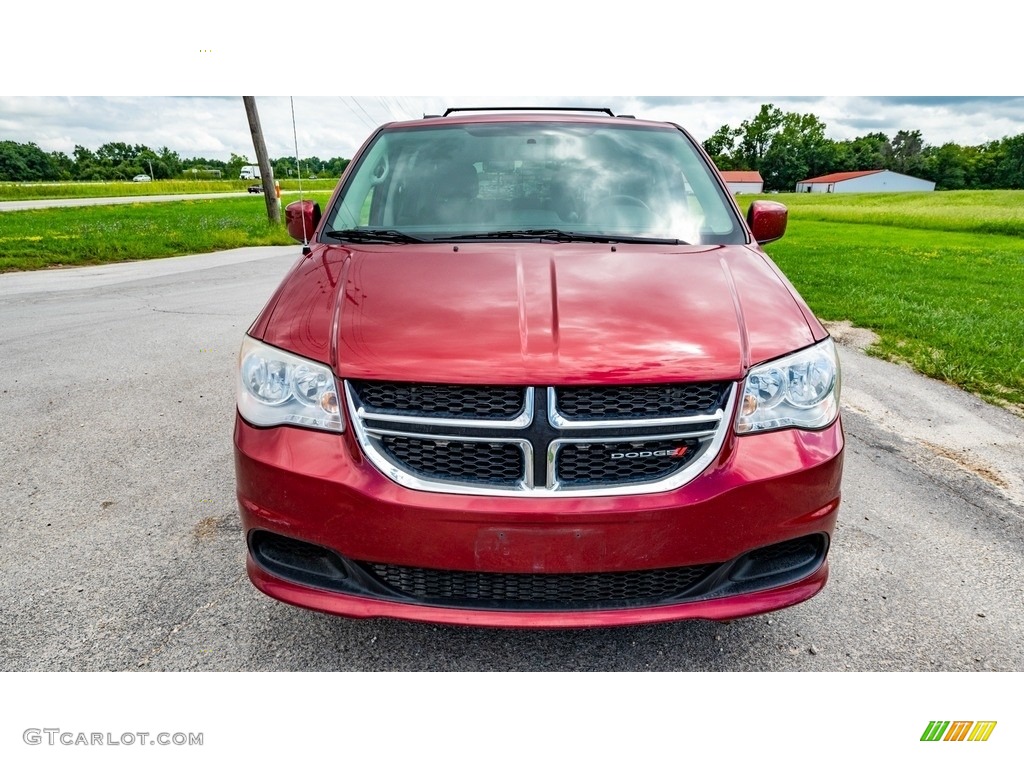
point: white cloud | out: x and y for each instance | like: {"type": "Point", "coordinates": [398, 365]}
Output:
{"type": "Point", "coordinates": [330, 126]}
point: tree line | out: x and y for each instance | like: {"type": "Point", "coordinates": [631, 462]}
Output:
{"type": "Point", "coordinates": [787, 147]}
{"type": "Point", "coordinates": [118, 161]}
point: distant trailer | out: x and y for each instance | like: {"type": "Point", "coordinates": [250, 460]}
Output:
{"type": "Point", "coordinates": [865, 181]}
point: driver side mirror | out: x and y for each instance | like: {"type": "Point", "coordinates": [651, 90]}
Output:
{"type": "Point", "coordinates": [301, 219]}
{"type": "Point", "coordinates": [767, 220]}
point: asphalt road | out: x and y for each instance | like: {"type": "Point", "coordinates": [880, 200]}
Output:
{"type": "Point", "coordinates": [122, 550]}
{"type": "Point", "coordinates": [73, 202]}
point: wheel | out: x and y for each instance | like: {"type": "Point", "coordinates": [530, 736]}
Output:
{"type": "Point", "coordinates": [618, 199]}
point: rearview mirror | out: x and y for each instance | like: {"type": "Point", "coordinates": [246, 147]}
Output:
{"type": "Point", "coordinates": [301, 219]}
{"type": "Point", "coordinates": [767, 220]}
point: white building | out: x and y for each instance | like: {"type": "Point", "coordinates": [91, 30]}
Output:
{"type": "Point", "coordinates": [865, 181]}
{"type": "Point", "coordinates": [743, 182]}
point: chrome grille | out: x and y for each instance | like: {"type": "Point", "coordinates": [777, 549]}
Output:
{"type": "Point", "coordinates": [527, 441]}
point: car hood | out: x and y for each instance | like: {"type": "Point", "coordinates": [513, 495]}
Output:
{"type": "Point", "coordinates": [513, 313]}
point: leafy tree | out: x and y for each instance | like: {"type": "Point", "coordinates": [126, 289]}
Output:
{"type": "Point", "coordinates": [120, 160]}
{"type": "Point", "coordinates": [946, 166]}
{"type": "Point", "coordinates": [720, 146]}
{"type": "Point", "coordinates": [335, 166]}
{"type": "Point", "coordinates": [865, 153]}
{"type": "Point", "coordinates": [234, 166]}
{"type": "Point", "coordinates": [1010, 169]}
{"type": "Point", "coordinates": [202, 168]}
{"type": "Point", "coordinates": [62, 165]}
{"type": "Point", "coordinates": [907, 147]}
{"type": "Point", "coordinates": [799, 150]}
{"type": "Point", "coordinates": [25, 162]}
{"type": "Point", "coordinates": [756, 135]}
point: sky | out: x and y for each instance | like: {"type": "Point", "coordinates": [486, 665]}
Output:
{"type": "Point", "coordinates": [332, 126]}
{"type": "Point", "coordinates": [106, 74]}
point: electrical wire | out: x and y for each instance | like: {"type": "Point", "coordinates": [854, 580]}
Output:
{"type": "Point", "coordinates": [369, 125]}
{"type": "Point", "coordinates": [298, 170]}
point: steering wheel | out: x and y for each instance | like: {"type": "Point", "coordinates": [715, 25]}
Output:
{"type": "Point", "coordinates": [616, 199]}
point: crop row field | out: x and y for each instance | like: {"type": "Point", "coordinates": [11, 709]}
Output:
{"type": "Point", "coordinates": [938, 276]}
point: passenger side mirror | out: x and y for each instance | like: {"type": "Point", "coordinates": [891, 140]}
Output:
{"type": "Point", "coordinates": [301, 219]}
{"type": "Point", "coordinates": [767, 220]}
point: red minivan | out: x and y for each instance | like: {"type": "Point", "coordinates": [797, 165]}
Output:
{"type": "Point", "coordinates": [533, 369]}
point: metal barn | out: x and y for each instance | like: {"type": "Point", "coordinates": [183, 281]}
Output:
{"type": "Point", "coordinates": [865, 181]}
{"type": "Point", "coordinates": [743, 182]}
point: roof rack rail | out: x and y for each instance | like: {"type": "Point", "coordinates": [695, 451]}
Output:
{"type": "Point", "coordinates": [604, 110]}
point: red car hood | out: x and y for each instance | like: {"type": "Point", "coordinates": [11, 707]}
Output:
{"type": "Point", "coordinates": [504, 313]}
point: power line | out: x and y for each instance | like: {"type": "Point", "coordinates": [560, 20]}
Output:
{"type": "Point", "coordinates": [369, 125]}
{"type": "Point", "coordinates": [411, 113]}
{"type": "Point", "coordinates": [391, 111]}
{"type": "Point", "coordinates": [375, 121]}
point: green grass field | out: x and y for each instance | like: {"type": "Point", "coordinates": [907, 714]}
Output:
{"type": "Point", "coordinates": [923, 272]}
{"type": "Point", "coordinates": [990, 212]}
{"type": "Point", "coordinates": [49, 237]}
{"type": "Point", "coordinates": [939, 277]}
{"type": "Point", "coordinates": [54, 190]}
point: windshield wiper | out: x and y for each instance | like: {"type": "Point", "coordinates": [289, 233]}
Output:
{"type": "Point", "coordinates": [374, 236]}
{"type": "Point", "coordinates": [562, 236]}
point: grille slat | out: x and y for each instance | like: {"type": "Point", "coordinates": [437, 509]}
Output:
{"type": "Point", "coordinates": [499, 463]}
{"type": "Point", "coordinates": [442, 400]}
{"type": "Point", "coordinates": [642, 401]}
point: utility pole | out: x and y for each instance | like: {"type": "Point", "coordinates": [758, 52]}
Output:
{"type": "Point", "coordinates": [266, 172]}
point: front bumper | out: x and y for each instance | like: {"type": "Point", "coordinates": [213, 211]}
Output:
{"type": "Point", "coordinates": [317, 489]}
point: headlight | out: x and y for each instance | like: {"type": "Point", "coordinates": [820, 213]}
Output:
{"type": "Point", "coordinates": [801, 390]}
{"type": "Point", "coordinates": [275, 387]}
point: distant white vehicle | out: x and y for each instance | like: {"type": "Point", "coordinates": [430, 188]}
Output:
{"type": "Point", "coordinates": [249, 172]}
{"type": "Point", "coordinates": [142, 177]}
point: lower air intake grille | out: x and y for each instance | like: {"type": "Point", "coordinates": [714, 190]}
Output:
{"type": "Point", "coordinates": [582, 590]}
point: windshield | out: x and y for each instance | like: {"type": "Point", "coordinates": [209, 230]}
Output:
{"type": "Point", "coordinates": [501, 180]}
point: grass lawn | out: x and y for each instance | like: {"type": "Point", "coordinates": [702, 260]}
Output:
{"type": "Point", "coordinates": [49, 237]}
{"type": "Point", "coordinates": [991, 212]}
{"type": "Point", "coordinates": [938, 276]}
{"type": "Point", "coordinates": [58, 190]}
{"type": "Point", "coordinates": [950, 304]}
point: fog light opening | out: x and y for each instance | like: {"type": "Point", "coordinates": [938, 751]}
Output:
{"type": "Point", "coordinates": [786, 557]}
{"type": "Point", "coordinates": [296, 559]}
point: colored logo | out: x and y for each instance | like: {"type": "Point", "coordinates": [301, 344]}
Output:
{"type": "Point", "coordinates": [958, 730]}
{"type": "Point", "coordinates": [675, 453]}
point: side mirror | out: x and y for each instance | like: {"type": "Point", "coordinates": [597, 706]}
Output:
{"type": "Point", "coordinates": [767, 220]}
{"type": "Point", "coordinates": [301, 218]}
